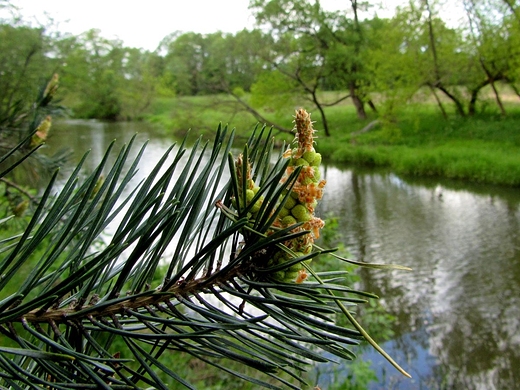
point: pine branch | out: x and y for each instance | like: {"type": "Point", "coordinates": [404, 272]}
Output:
{"type": "Point", "coordinates": [230, 257]}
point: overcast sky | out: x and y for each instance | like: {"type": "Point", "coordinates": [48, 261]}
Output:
{"type": "Point", "coordinates": [140, 23]}
{"type": "Point", "coordinates": [145, 23]}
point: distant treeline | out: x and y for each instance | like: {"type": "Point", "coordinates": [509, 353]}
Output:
{"type": "Point", "coordinates": [297, 51]}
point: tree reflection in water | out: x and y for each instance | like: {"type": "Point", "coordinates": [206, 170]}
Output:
{"type": "Point", "coordinates": [458, 313]}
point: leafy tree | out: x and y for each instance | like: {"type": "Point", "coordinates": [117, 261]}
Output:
{"type": "Point", "coordinates": [26, 106]}
{"type": "Point", "coordinates": [23, 67]}
{"type": "Point", "coordinates": [393, 65]}
{"type": "Point", "coordinates": [91, 69]}
{"type": "Point", "coordinates": [142, 83]}
{"type": "Point", "coordinates": [494, 33]}
{"type": "Point", "coordinates": [316, 50]}
{"type": "Point", "coordinates": [183, 60]}
{"type": "Point", "coordinates": [247, 50]}
{"type": "Point", "coordinates": [196, 264]}
{"type": "Point", "coordinates": [214, 63]}
{"type": "Point", "coordinates": [102, 79]}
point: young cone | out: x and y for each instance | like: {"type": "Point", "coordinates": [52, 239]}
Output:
{"type": "Point", "coordinates": [306, 192]}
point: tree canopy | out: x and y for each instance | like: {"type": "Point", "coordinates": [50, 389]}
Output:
{"type": "Point", "coordinates": [297, 50]}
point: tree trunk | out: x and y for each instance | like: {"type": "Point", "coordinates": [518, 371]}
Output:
{"type": "Point", "coordinates": [492, 80]}
{"type": "Point", "coordinates": [358, 102]}
{"type": "Point", "coordinates": [498, 100]}
{"type": "Point", "coordinates": [472, 110]}
{"type": "Point", "coordinates": [438, 83]}
{"type": "Point", "coordinates": [316, 102]}
{"type": "Point", "coordinates": [353, 88]}
{"type": "Point", "coordinates": [473, 102]}
{"type": "Point", "coordinates": [439, 103]}
{"type": "Point", "coordinates": [458, 104]}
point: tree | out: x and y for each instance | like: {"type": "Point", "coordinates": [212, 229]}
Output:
{"type": "Point", "coordinates": [91, 69]}
{"type": "Point", "coordinates": [142, 83]}
{"type": "Point", "coordinates": [23, 67]}
{"type": "Point", "coordinates": [317, 50]}
{"type": "Point", "coordinates": [27, 90]}
{"type": "Point", "coordinates": [214, 63]}
{"type": "Point", "coordinates": [393, 64]}
{"type": "Point", "coordinates": [103, 79]}
{"type": "Point", "coordinates": [183, 60]}
{"type": "Point", "coordinates": [106, 316]}
{"type": "Point", "coordinates": [494, 33]}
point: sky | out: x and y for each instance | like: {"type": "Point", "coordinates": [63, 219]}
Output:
{"type": "Point", "coordinates": [143, 24]}
{"type": "Point", "coordinates": [139, 23]}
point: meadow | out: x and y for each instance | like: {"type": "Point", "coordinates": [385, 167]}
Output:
{"type": "Point", "coordinates": [414, 140]}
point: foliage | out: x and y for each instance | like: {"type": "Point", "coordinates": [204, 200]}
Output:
{"type": "Point", "coordinates": [273, 91]}
{"type": "Point", "coordinates": [300, 45]}
{"type": "Point", "coordinates": [214, 63]}
{"type": "Point", "coordinates": [23, 68]}
{"type": "Point", "coordinates": [102, 79]}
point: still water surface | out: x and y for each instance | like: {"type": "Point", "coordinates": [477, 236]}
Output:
{"type": "Point", "coordinates": [457, 314]}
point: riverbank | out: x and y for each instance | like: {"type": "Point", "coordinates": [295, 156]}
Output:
{"type": "Point", "coordinates": [484, 149]}
{"type": "Point", "coordinates": [417, 142]}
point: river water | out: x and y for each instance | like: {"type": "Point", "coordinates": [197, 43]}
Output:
{"type": "Point", "coordinates": [456, 315]}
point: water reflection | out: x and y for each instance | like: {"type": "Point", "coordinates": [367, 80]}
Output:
{"type": "Point", "coordinates": [458, 312]}
{"type": "Point", "coordinates": [93, 136]}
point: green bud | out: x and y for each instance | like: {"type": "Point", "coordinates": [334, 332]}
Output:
{"type": "Point", "coordinates": [288, 220]}
{"type": "Point", "coordinates": [317, 173]}
{"type": "Point", "coordinates": [290, 203]}
{"type": "Point", "coordinates": [302, 162]}
{"type": "Point", "coordinates": [283, 213]}
{"type": "Point", "coordinates": [317, 160]}
{"type": "Point", "coordinates": [307, 180]}
{"type": "Point", "coordinates": [280, 255]}
{"type": "Point", "coordinates": [249, 195]}
{"type": "Point", "coordinates": [290, 276]}
{"type": "Point", "coordinates": [256, 206]}
{"type": "Point", "coordinates": [300, 213]}
{"type": "Point", "coordinates": [295, 267]}
{"type": "Point", "coordinates": [309, 156]}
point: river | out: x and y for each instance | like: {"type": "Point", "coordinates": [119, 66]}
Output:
{"type": "Point", "coordinates": [456, 315]}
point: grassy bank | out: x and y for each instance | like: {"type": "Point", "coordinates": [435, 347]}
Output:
{"type": "Point", "coordinates": [418, 141]}
{"type": "Point", "coordinates": [202, 114]}
{"type": "Point", "coordinates": [482, 149]}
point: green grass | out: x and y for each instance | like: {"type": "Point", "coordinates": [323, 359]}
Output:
{"type": "Point", "coordinates": [484, 149]}
{"type": "Point", "coordinates": [416, 141]}
{"type": "Point", "coordinates": [201, 114]}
